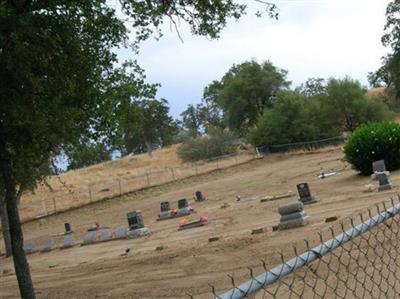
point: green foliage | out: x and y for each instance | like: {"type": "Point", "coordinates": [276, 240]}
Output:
{"type": "Point", "coordinates": [293, 118]}
{"type": "Point", "coordinates": [371, 142]}
{"type": "Point", "coordinates": [245, 91]}
{"type": "Point", "coordinates": [218, 143]}
{"type": "Point", "coordinates": [86, 154]}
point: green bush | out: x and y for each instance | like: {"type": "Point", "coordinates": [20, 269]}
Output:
{"type": "Point", "coordinates": [218, 144]}
{"type": "Point", "coordinates": [371, 142]}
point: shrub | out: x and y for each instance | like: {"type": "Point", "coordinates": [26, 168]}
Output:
{"type": "Point", "coordinates": [371, 142]}
{"type": "Point", "coordinates": [205, 147]}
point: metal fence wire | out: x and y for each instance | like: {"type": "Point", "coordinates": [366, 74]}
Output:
{"type": "Point", "coordinates": [361, 262]}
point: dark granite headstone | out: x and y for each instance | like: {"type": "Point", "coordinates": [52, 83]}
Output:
{"type": "Point", "coordinates": [199, 196]}
{"type": "Point", "coordinates": [165, 206]}
{"type": "Point", "coordinates": [68, 229]}
{"type": "Point", "coordinates": [305, 193]}
{"type": "Point", "coordinates": [384, 183]}
{"type": "Point", "coordinates": [378, 166]}
{"type": "Point", "coordinates": [135, 220]}
{"type": "Point", "coordinates": [183, 203]}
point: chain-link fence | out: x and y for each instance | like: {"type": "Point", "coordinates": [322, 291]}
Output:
{"type": "Point", "coordinates": [67, 197]}
{"type": "Point", "coordinates": [360, 262]}
{"type": "Point", "coordinates": [308, 145]}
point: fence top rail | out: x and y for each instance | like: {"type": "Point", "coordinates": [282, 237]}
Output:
{"type": "Point", "coordinates": [256, 283]}
{"type": "Point", "coordinates": [337, 138]}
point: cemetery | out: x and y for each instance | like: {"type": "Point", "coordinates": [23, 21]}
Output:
{"type": "Point", "coordinates": [266, 219]}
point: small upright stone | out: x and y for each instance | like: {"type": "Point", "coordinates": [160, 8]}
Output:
{"type": "Point", "coordinates": [199, 196]}
{"type": "Point", "coordinates": [384, 183]}
{"type": "Point", "coordinates": [305, 194]}
{"type": "Point", "coordinates": [136, 225]}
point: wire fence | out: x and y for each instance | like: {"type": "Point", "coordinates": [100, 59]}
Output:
{"type": "Point", "coordinates": [308, 145]}
{"type": "Point", "coordinates": [360, 262]}
{"type": "Point", "coordinates": [67, 198]}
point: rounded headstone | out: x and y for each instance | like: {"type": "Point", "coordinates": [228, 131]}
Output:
{"type": "Point", "coordinates": [291, 208]}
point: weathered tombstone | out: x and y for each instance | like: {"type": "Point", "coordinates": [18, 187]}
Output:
{"type": "Point", "coordinates": [378, 166]}
{"type": "Point", "coordinates": [135, 220]}
{"type": "Point", "coordinates": [68, 229]}
{"type": "Point", "coordinates": [165, 206]}
{"type": "Point", "coordinates": [305, 194]}
{"type": "Point", "coordinates": [47, 245]}
{"type": "Point", "coordinates": [292, 215]}
{"type": "Point", "coordinates": [68, 242]}
{"type": "Point", "coordinates": [29, 247]}
{"type": "Point", "coordinates": [120, 233]}
{"type": "Point", "coordinates": [89, 238]}
{"type": "Point", "coordinates": [183, 207]}
{"type": "Point", "coordinates": [105, 235]}
{"type": "Point", "coordinates": [183, 203]}
{"type": "Point", "coordinates": [199, 196]}
{"type": "Point", "coordinates": [384, 183]}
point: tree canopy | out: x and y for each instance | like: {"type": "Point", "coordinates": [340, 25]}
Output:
{"type": "Point", "coordinates": [57, 67]}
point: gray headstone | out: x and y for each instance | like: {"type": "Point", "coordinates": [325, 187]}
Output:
{"type": "Point", "coordinates": [105, 234]}
{"type": "Point", "coordinates": [29, 247]}
{"type": "Point", "coordinates": [378, 166]}
{"type": "Point", "coordinates": [183, 211]}
{"type": "Point", "coordinates": [305, 193]}
{"type": "Point", "coordinates": [68, 242]}
{"type": "Point", "coordinates": [89, 237]}
{"type": "Point", "coordinates": [120, 233]}
{"type": "Point", "coordinates": [384, 183]}
{"type": "Point", "coordinates": [291, 208]}
{"type": "Point", "coordinates": [199, 196]}
{"type": "Point", "coordinates": [293, 216]}
{"type": "Point", "coordinates": [48, 245]}
{"type": "Point", "coordinates": [294, 223]}
{"type": "Point", "coordinates": [135, 220]}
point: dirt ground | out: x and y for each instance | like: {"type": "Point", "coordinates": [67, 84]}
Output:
{"type": "Point", "coordinates": [188, 261]}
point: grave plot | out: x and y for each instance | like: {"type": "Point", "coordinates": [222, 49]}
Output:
{"type": "Point", "coordinates": [166, 212]}
{"type": "Point", "coordinates": [184, 208]}
{"type": "Point", "coordinates": [105, 235]}
{"type": "Point", "coordinates": [68, 242]}
{"type": "Point", "coordinates": [90, 238]}
{"type": "Point", "coordinates": [120, 233]}
{"type": "Point", "coordinates": [48, 245]}
{"type": "Point", "coordinates": [136, 225]}
{"type": "Point", "coordinates": [185, 224]}
{"type": "Point", "coordinates": [292, 215]}
{"type": "Point", "coordinates": [29, 247]}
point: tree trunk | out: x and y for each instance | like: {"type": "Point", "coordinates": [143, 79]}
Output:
{"type": "Point", "coordinates": [20, 262]}
{"type": "Point", "coordinates": [149, 148]}
{"type": "Point", "coordinates": [5, 227]}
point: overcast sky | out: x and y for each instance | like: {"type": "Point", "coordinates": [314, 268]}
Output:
{"type": "Point", "coordinates": [312, 38]}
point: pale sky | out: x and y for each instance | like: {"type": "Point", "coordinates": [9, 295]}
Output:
{"type": "Point", "coordinates": [312, 38]}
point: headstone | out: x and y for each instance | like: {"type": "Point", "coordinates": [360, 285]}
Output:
{"type": "Point", "coordinates": [120, 233]}
{"type": "Point", "coordinates": [165, 206]}
{"type": "Point", "coordinates": [48, 245]}
{"type": "Point", "coordinates": [199, 196]}
{"type": "Point", "coordinates": [89, 238]}
{"type": "Point", "coordinates": [135, 220]}
{"type": "Point", "coordinates": [68, 242]}
{"type": "Point", "coordinates": [384, 183]}
{"type": "Point", "coordinates": [183, 203]}
{"type": "Point", "coordinates": [305, 194]}
{"type": "Point", "coordinates": [105, 235]}
{"type": "Point", "coordinates": [292, 215]}
{"type": "Point", "coordinates": [29, 247]}
{"type": "Point", "coordinates": [68, 229]}
{"type": "Point", "coordinates": [378, 166]}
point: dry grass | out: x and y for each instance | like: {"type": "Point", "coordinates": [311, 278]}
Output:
{"type": "Point", "coordinates": [79, 187]}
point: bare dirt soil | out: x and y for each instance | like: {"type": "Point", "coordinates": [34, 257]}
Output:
{"type": "Point", "coordinates": [188, 261]}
